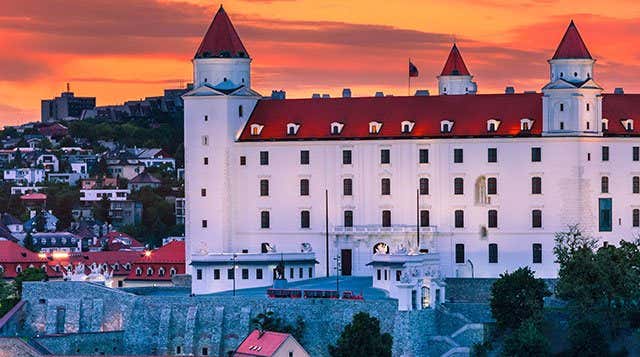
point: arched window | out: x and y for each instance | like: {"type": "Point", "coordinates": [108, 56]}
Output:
{"type": "Point", "coordinates": [458, 186]}
{"type": "Point", "coordinates": [138, 271]}
{"type": "Point", "coordinates": [604, 184]}
{"type": "Point", "coordinates": [1, 269]}
{"type": "Point", "coordinates": [19, 269]}
{"type": "Point", "coordinates": [407, 126]}
{"type": "Point", "coordinates": [336, 128]}
{"type": "Point", "coordinates": [375, 127]}
{"type": "Point", "coordinates": [292, 128]}
{"type": "Point", "coordinates": [605, 124]}
{"type": "Point", "coordinates": [172, 271]}
{"type": "Point", "coordinates": [160, 272]}
{"type": "Point", "coordinates": [149, 271]}
{"type": "Point", "coordinates": [446, 126]}
{"type": "Point", "coordinates": [256, 129]}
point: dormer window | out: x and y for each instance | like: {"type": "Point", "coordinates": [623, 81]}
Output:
{"type": "Point", "coordinates": [336, 128]}
{"type": "Point", "coordinates": [446, 126]}
{"type": "Point", "coordinates": [292, 128]}
{"type": "Point", "coordinates": [407, 126]}
{"type": "Point", "coordinates": [374, 127]}
{"type": "Point", "coordinates": [492, 125]}
{"type": "Point", "coordinates": [256, 129]}
{"type": "Point", "coordinates": [526, 124]}
{"type": "Point", "coordinates": [605, 124]}
{"type": "Point", "coordinates": [628, 124]}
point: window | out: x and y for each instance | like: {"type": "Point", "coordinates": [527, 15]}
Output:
{"type": "Point", "coordinates": [205, 161]}
{"type": "Point", "coordinates": [493, 253]}
{"type": "Point", "coordinates": [636, 184]}
{"type": "Point", "coordinates": [424, 156]}
{"type": "Point", "coordinates": [605, 153]}
{"type": "Point", "coordinates": [264, 158]}
{"type": "Point", "coordinates": [346, 157]}
{"type": "Point", "coordinates": [406, 126]}
{"type": "Point", "coordinates": [300, 273]}
{"type": "Point", "coordinates": [256, 129]}
{"type": "Point", "coordinates": [492, 155]}
{"type": "Point", "coordinates": [374, 127]}
{"type": "Point", "coordinates": [385, 186]}
{"type": "Point", "coordinates": [264, 219]}
{"type": "Point", "coordinates": [605, 124]}
{"type": "Point", "coordinates": [561, 125]}
{"type": "Point", "coordinates": [459, 218]}
{"type": "Point", "coordinates": [604, 184]}
{"type": "Point", "coordinates": [536, 154]}
{"type": "Point", "coordinates": [536, 218]}
{"type": "Point", "coordinates": [562, 107]}
{"type": "Point", "coordinates": [636, 217]}
{"type": "Point", "coordinates": [379, 274]}
{"type": "Point", "coordinates": [537, 253]}
{"type": "Point", "coordinates": [526, 124]}
{"type": "Point", "coordinates": [492, 218]}
{"type": "Point", "coordinates": [264, 187]}
{"type": "Point", "coordinates": [305, 218]}
{"type": "Point", "coordinates": [457, 156]}
{"type": "Point", "coordinates": [291, 273]}
{"type": "Point", "coordinates": [460, 253]}
{"type": "Point", "coordinates": [458, 186]}
{"type": "Point", "coordinates": [304, 187]}
{"type": "Point", "coordinates": [492, 186]}
{"type": "Point", "coordinates": [203, 192]}
{"type": "Point", "coordinates": [240, 111]}
{"type": "Point", "coordinates": [205, 140]}
{"type": "Point", "coordinates": [206, 118]}
{"type": "Point", "coordinates": [605, 216]}
{"type": "Point", "coordinates": [304, 157]}
{"type": "Point", "coordinates": [216, 274]}
{"type": "Point", "coordinates": [385, 156]}
{"type": "Point", "coordinates": [424, 186]}
{"type": "Point", "coordinates": [386, 218]}
{"type": "Point", "coordinates": [446, 126]}
{"type": "Point", "coordinates": [205, 350]}
{"type": "Point", "coordinates": [336, 128]}
{"type": "Point", "coordinates": [243, 160]}
{"type": "Point", "coordinates": [348, 218]}
{"type": "Point", "coordinates": [198, 274]}
{"type": "Point", "coordinates": [310, 272]}
{"type": "Point", "coordinates": [536, 185]}
{"type": "Point", "coordinates": [347, 187]}
{"type": "Point", "coordinates": [204, 223]}
{"type": "Point", "coordinates": [179, 348]}
{"type": "Point", "coordinates": [424, 218]}
{"type": "Point", "coordinates": [231, 274]}
{"type": "Point", "coordinates": [636, 153]}
{"type": "Point", "coordinates": [398, 275]}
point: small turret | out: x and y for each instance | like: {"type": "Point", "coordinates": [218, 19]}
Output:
{"type": "Point", "coordinates": [455, 78]}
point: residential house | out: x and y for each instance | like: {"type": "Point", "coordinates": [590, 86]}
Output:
{"type": "Point", "coordinates": [124, 213]}
{"type": "Point", "coordinates": [12, 223]}
{"type": "Point", "coordinates": [125, 168]}
{"type": "Point", "coordinates": [269, 344]}
{"type": "Point", "coordinates": [51, 222]}
{"type": "Point", "coordinates": [69, 178]}
{"type": "Point", "coordinates": [49, 162]}
{"type": "Point", "coordinates": [113, 194]}
{"type": "Point", "coordinates": [25, 176]}
{"type": "Point", "coordinates": [34, 201]}
{"type": "Point", "coordinates": [145, 179]}
{"type": "Point", "coordinates": [156, 158]}
{"type": "Point", "coordinates": [49, 242]}
{"type": "Point", "coordinates": [98, 183]}
{"type": "Point", "coordinates": [14, 259]}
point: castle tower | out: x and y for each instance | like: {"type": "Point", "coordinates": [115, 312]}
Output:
{"type": "Point", "coordinates": [214, 113]}
{"type": "Point", "coordinates": [572, 101]}
{"type": "Point", "coordinates": [455, 78]}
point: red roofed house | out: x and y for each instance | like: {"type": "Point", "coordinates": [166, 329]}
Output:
{"type": "Point", "coordinates": [480, 181]}
{"type": "Point", "coordinates": [270, 344]}
{"type": "Point", "coordinates": [157, 267]}
{"type": "Point", "coordinates": [34, 200]}
{"type": "Point", "coordinates": [14, 258]}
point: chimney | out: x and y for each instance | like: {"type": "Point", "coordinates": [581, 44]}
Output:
{"type": "Point", "coordinates": [529, 92]}
{"type": "Point", "coordinates": [422, 93]}
{"type": "Point", "coordinates": [346, 93]}
{"type": "Point", "coordinates": [315, 95]}
{"type": "Point", "coordinates": [379, 94]}
{"type": "Point", "coordinates": [278, 94]}
{"type": "Point", "coordinates": [618, 90]}
{"type": "Point", "coordinates": [509, 90]}
{"type": "Point", "coordinates": [326, 96]}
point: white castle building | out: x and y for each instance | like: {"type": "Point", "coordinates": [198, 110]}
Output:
{"type": "Point", "coordinates": [483, 181]}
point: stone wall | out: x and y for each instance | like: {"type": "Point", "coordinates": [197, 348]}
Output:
{"type": "Point", "coordinates": [477, 290]}
{"type": "Point", "coordinates": [91, 343]}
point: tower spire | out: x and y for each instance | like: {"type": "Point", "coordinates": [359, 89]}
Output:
{"type": "Point", "coordinates": [455, 64]}
{"type": "Point", "coordinates": [572, 46]}
{"type": "Point", "coordinates": [221, 39]}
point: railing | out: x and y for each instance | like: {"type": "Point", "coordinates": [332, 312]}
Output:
{"type": "Point", "coordinates": [377, 228]}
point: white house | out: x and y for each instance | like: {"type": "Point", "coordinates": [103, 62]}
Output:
{"type": "Point", "coordinates": [49, 162]}
{"type": "Point", "coordinates": [484, 180]}
{"type": "Point", "coordinates": [27, 176]}
{"type": "Point", "coordinates": [97, 194]}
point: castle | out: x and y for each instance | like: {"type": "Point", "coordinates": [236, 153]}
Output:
{"type": "Point", "coordinates": [480, 181]}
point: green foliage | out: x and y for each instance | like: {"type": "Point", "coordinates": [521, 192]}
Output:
{"type": "Point", "coordinates": [67, 141]}
{"type": "Point", "coordinates": [40, 222]}
{"type": "Point", "coordinates": [29, 274]}
{"type": "Point", "coordinates": [362, 338]}
{"type": "Point", "coordinates": [28, 242]}
{"type": "Point", "coordinates": [100, 169]}
{"type": "Point", "coordinates": [61, 199]}
{"type": "Point", "coordinates": [8, 297]}
{"type": "Point", "coordinates": [517, 297]}
{"type": "Point", "coordinates": [526, 341]}
{"type": "Point", "coordinates": [158, 217]}
{"type": "Point", "coordinates": [11, 204]}
{"type": "Point", "coordinates": [267, 322]}
{"type": "Point", "coordinates": [587, 337]}
{"type": "Point", "coordinates": [45, 144]}
{"type": "Point", "coordinates": [101, 209]}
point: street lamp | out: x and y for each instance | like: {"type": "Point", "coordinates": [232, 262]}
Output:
{"type": "Point", "coordinates": [338, 265]}
{"type": "Point", "coordinates": [472, 269]}
{"type": "Point", "coordinates": [234, 273]}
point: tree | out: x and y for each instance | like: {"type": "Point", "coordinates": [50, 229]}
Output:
{"type": "Point", "coordinates": [516, 297]}
{"type": "Point", "coordinates": [45, 144]}
{"type": "Point", "coordinates": [362, 338]}
{"type": "Point", "coordinates": [526, 341]}
{"type": "Point", "coordinates": [29, 274]}
{"type": "Point", "coordinates": [587, 337]}
{"type": "Point", "coordinates": [8, 297]}
{"type": "Point", "coordinates": [100, 169]}
{"type": "Point", "coordinates": [267, 322]}
{"type": "Point", "coordinates": [67, 141]}
{"type": "Point", "coordinates": [40, 221]}
{"type": "Point", "coordinates": [101, 210]}
{"type": "Point", "coordinates": [28, 242]}
{"type": "Point", "coordinates": [61, 199]}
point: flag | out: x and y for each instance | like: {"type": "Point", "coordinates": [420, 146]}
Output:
{"type": "Point", "coordinates": [413, 70]}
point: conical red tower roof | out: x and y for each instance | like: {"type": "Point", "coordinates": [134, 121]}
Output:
{"type": "Point", "coordinates": [572, 46]}
{"type": "Point", "coordinates": [221, 39]}
{"type": "Point", "coordinates": [455, 64]}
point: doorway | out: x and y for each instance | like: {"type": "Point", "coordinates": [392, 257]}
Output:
{"type": "Point", "coordinates": [345, 260]}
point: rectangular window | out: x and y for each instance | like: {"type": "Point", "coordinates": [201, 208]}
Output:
{"type": "Point", "coordinates": [348, 218]}
{"type": "Point", "coordinates": [245, 274]}
{"type": "Point", "coordinates": [386, 218]}
{"type": "Point", "coordinates": [492, 186]}
{"type": "Point", "coordinates": [300, 270]}
{"type": "Point", "coordinates": [199, 274]}
{"type": "Point", "coordinates": [304, 157]}
{"type": "Point", "coordinates": [205, 160]}
{"type": "Point", "coordinates": [536, 154]}
{"type": "Point", "coordinates": [310, 271]}
{"type": "Point", "coordinates": [264, 219]}
{"type": "Point", "coordinates": [492, 155]}
{"type": "Point", "coordinates": [304, 187]}
{"type": "Point", "coordinates": [216, 274]}
{"type": "Point", "coordinates": [385, 156]}
{"type": "Point", "coordinates": [458, 186]}
{"type": "Point", "coordinates": [231, 274]}
{"type": "Point", "coordinates": [492, 218]}
{"type": "Point", "coordinates": [605, 216]}
{"type": "Point", "coordinates": [605, 153]}
{"type": "Point", "coordinates": [424, 186]}
{"type": "Point", "coordinates": [305, 219]}
{"type": "Point", "coordinates": [205, 140]}
{"type": "Point", "coordinates": [347, 187]}
{"type": "Point", "coordinates": [206, 118]}
{"type": "Point", "coordinates": [243, 160]}
{"type": "Point", "coordinates": [493, 253]}
{"type": "Point", "coordinates": [424, 156]}
{"type": "Point", "coordinates": [204, 223]}
{"type": "Point", "coordinates": [459, 218]}
{"type": "Point", "coordinates": [536, 218]}
{"type": "Point", "coordinates": [636, 184]}
{"type": "Point", "coordinates": [203, 192]}
{"type": "Point", "coordinates": [290, 273]}
{"type": "Point", "coordinates": [604, 184]}
{"type": "Point", "coordinates": [398, 275]}
{"type": "Point", "coordinates": [264, 158]}
{"type": "Point", "coordinates": [379, 274]}
{"type": "Point", "coordinates": [240, 111]}
{"type": "Point", "coordinates": [259, 274]}
{"type": "Point", "coordinates": [385, 186]}
{"type": "Point", "coordinates": [537, 253]}
{"type": "Point", "coordinates": [424, 218]}
{"type": "Point", "coordinates": [636, 153]}
{"type": "Point", "coordinates": [264, 187]}
{"type": "Point", "coordinates": [458, 156]}
{"type": "Point", "coordinates": [636, 217]}
{"type": "Point", "coordinates": [346, 157]}
{"type": "Point", "coordinates": [536, 185]}
{"type": "Point", "coordinates": [460, 254]}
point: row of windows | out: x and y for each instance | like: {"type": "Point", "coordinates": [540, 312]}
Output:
{"type": "Point", "coordinates": [244, 273]}
{"type": "Point", "coordinates": [536, 253]}
{"type": "Point", "coordinates": [161, 271]}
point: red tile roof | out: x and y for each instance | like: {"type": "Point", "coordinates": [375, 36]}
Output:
{"type": "Point", "coordinates": [11, 252]}
{"type": "Point", "coordinates": [261, 344]}
{"type": "Point", "coordinates": [455, 64]}
{"type": "Point", "coordinates": [169, 256]}
{"type": "Point", "coordinates": [35, 196]}
{"type": "Point", "coordinates": [221, 39]}
{"type": "Point", "coordinates": [572, 45]}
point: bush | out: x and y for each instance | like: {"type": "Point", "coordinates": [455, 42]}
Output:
{"type": "Point", "coordinates": [362, 338]}
{"type": "Point", "coordinates": [588, 338]}
{"type": "Point", "coordinates": [266, 321]}
{"type": "Point", "coordinates": [527, 340]}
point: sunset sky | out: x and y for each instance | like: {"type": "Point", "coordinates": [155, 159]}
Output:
{"type": "Point", "coordinates": [119, 50]}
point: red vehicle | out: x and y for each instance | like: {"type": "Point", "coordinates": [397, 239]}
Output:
{"type": "Point", "coordinates": [284, 293]}
{"type": "Point", "coordinates": [349, 295]}
{"type": "Point", "coordinates": [320, 294]}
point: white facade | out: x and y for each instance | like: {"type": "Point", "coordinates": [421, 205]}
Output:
{"type": "Point", "coordinates": [28, 176]}
{"type": "Point", "coordinates": [111, 194]}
